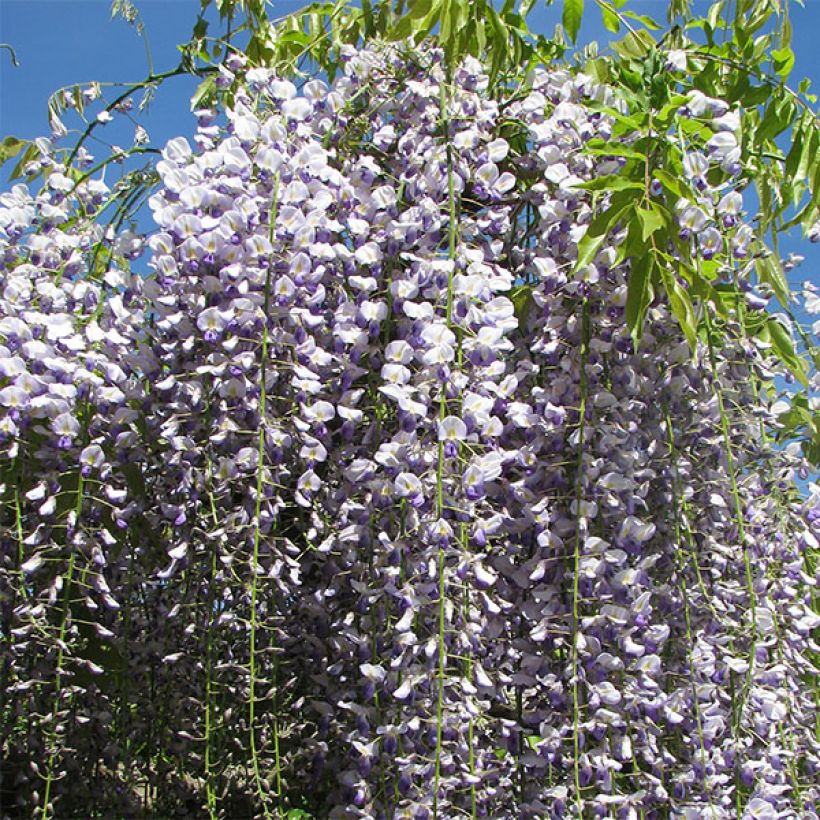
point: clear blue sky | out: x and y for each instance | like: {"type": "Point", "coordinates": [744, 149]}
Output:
{"type": "Point", "coordinates": [60, 42]}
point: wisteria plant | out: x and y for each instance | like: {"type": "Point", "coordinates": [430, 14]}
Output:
{"type": "Point", "coordinates": [427, 458]}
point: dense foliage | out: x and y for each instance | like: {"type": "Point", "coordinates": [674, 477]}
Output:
{"type": "Point", "coordinates": [430, 472]}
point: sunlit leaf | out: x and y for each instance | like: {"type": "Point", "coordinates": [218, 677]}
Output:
{"type": "Point", "coordinates": [639, 295]}
{"type": "Point", "coordinates": [651, 219]}
{"type": "Point", "coordinates": [771, 273]}
{"type": "Point", "coordinates": [783, 346]}
{"type": "Point", "coordinates": [599, 229]}
{"type": "Point", "coordinates": [571, 18]}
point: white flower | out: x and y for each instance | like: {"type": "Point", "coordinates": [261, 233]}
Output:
{"type": "Point", "coordinates": [313, 450]}
{"type": "Point", "coordinates": [634, 529]}
{"type": "Point", "coordinates": [676, 59]}
{"type": "Point", "coordinates": [65, 425]}
{"type": "Point", "coordinates": [177, 150]}
{"type": "Point", "coordinates": [407, 484]}
{"type": "Point", "coordinates": [213, 319]}
{"type": "Point", "coordinates": [298, 109]}
{"type": "Point", "coordinates": [282, 90]}
{"type": "Point", "coordinates": [498, 149]}
{"type": "Point", "coordinates": [14, 397]}
{"type": "Point", "coordinates": [399, 352]}
{"type": "Point", "coordinates": [452, 428]}
{"type": "Point", "coordinates": [92, 456]}
{"type": "Point", "coordinates": [319, 411]}
{"type": "Point", "coordinates": [368, 254]}
{"type": "Point", "coordinates": [395, 373]}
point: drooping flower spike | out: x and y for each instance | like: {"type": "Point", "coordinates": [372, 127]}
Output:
{"type": "Point", "coordinates": [362, 502]}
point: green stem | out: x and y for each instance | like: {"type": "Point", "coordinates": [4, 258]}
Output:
{"type": "Point", "coordinates": [210, 792]}
{"type": "Point", "coordinates": [772, 83]}
{"type": "Point", "coordinates": [468, 674]}
{"type": "Point", "coordinates": [737, 702]}
{"type": "Point", "coordinates": [740, 306]}
{"type": "Point", "coordinates": [730, 462]}
{"type": "Point", "coordinates": [69, 580]}
{"type": "Point", "coordinates": [673, 453]}
{"type": "Point", "coordinates": [442, 661]}
{"type": "Point", "coordinates": [576, 729]}
{"type": "Point", "coordinates": [18, 525]}
{"type": "Point", "coordinates": [263, 401]}
{"type": "Point", "coordinates": [151, 79]}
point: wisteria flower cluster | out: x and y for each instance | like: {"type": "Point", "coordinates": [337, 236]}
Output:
{"type": "Point", "coordinates": [364, 501]}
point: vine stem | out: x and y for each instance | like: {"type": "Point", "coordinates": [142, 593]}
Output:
{"type": "Point", "coordinates": [263, 399]}
{"type": "Point", "coordinates": [772, 83]}
{"type": "Point", "coordinates": [210, 793]}
{"type": "Point", "coordinates": [118, 157]}
{"type": "Point", "coordinates": [673, 454]}
{"type": "Point", "coordinates": [69, 579]}
{"type": "Point", "coordinates": [468, 672]}
{"type": "Point", "coordinates": [7, 670]}
{"type": "Point", "coordinates": [740, 307]}
{"type": "Point", "coordinates": [576, 729]}
{"type": "Point", "coordinates": [724, 424]}
{"type": "Point", "coordinates": [442, 610]}
{"type": "Point", "coordinates": [151, 79]}
{"type": "Point", "coordinates": [730, 463]}
{"type": "Point", "coordinates": [18, 526]}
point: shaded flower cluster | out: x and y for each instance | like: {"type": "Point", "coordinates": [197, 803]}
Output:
{"type": "Point", "coordinates": [364, 501]}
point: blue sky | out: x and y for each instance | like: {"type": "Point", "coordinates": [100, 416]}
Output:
{"type": "Point", "coordinates": [61, 42]}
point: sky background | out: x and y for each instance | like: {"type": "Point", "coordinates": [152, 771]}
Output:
{"type": "Point", "coordinates": [62, 42]}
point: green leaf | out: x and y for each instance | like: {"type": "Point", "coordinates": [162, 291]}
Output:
{"type": "Point", "coordinates": [608, 149]}
{"type": "Point", "coordinates": [715, 10]}
{"type": "Point", "coordinates": [498, 41]}
{"type": "Point", "coordinates": [783, 346]}
{"type": "Point", "coordinates": [446, 25]}
{"type": "Point", "coordinates": [521, 297]}
{"type": "Point", "coordinates": [771, 273]}
{"type": "Point", "coordinates": [571, 18]}
{"type": "Point", "coordinates": [799, 140]}
{"type": "Point", "coordinates": [672, 184]}
{"type": "Point", "coordinates": [652, 220]}
{"type": "Point", "coordinates": [461, 14]}
{"type": "Point", "coordinates": [369, 20]}
{"type": "Point", "coordinates": [11, 147]}
{"type": "Point", "coordinates": [402, 29]}
{"type": "Point", "coordinates": [701, 288]}
{"type": "Point", "coordinates": [419, 9]}
{"type": "Point", "coordinates": [635, 45]}
{"type": "Point", "coordinates": [638, 296]}
{"type": "Point", "coordinates": [200, 29]}
{"type": "Point", "coordinates": [783, 59]}
{"type": "Point", "coordinates": [798, 418]}
{"type": "Point", "coordinates": [682, 309]}
{"type": "Point", "coordinates": [811, 148]}
{"type": "Point", "coordinates": [600, 227]}
{"type": "Point", "coordinates": [29, 153]}
{"type": "Point", "coordinates": [612, 182]}
{"type": "Point", "coordinates": [778, 117]}
{"type": "Point", "coordinates": [205, 92]}
{"type": "Point", "coordinates": [672, 106]}
{"type": "Point", "coordinates": [642, 18]}
{"type": "Point", "coordinates": [632, 122]}
{"type": "Point", "coordinates": [611, 21]}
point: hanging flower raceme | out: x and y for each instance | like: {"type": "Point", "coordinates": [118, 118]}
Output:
{"type": "Point", "coordinates": [373, 504]}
